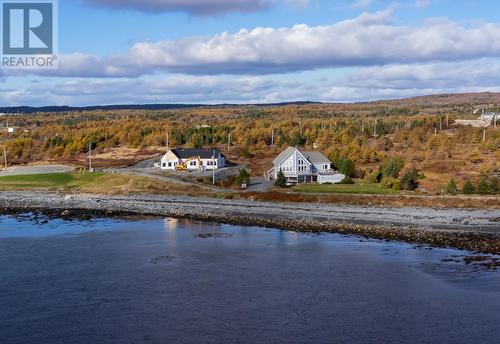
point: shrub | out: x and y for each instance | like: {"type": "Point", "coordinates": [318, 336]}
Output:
{"type": "Point", "coordinates": [372, 177]}
{"type": "Point", "coordinates": [409, 180]}
{"type": "Point", "coordinates": [347, 180]}
{"type": "Point", "coordinates": [388, 182]}
{"type": "Point", "coordinates": [494, 187]}
{"type": "Point", "coordinates": [468, 188]}
{"type": "Point", "coordinates": [345, 166]}
{"type": "Point", "coordinates": [392, 167]}
{"type": "Point", "coordinates": [280, 180]}
{"type": "Point", "coordinates": [451, 188]}
{"type": "Point", "coordinates": [483, 188]}
{"type": "Point", "coordinates": [397, 185]}
{"type": "Point", "coordinates": [242, 178]}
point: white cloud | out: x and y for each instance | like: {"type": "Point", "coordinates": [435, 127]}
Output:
{"type": "Point", "coordinates": [369, 83]}
{"type": "Point", "coordinates": [422, 3]}
{"type": "Point", "coordinates": [362, 3]}
{"type": "Point", "coordinates": [368, 40]}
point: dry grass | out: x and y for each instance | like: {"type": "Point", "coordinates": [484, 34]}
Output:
{"type": "Point", "coordinates": [99, 183]}
{"type": "Point", "coordinates": [380, 200]}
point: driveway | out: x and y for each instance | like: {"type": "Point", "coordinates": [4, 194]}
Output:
{"type": "Point", "coordinates": [36, 169]}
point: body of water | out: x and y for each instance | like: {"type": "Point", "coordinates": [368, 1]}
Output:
{"type": "Point", "coordinates": [172, 281]}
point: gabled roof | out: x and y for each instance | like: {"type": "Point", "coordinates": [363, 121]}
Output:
{"type": "Point", "coordinates": [283, 155]}
{"type": "Point", "coordinates": [316, 157]}
{"type": "Point", "coordinates": [312, 156]}
{"type": "Point", "coordinates": [182, 153]}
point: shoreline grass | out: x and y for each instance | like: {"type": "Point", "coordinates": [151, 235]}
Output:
{"type": "Point", "coordinates": [358, 188]}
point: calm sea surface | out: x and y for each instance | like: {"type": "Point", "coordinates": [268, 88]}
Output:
{"type": "Point", "coordinates": [143, 280]}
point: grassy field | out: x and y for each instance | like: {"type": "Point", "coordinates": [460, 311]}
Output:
{"type": "Point", "coordinates": [357, 188]}
{"type": "Point", "coordinates": [99, 183]}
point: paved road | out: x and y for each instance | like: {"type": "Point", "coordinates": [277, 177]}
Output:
{"type": "Point", "coordinates": [258, 184]}
{"type": "Point", "coordinates": [36, 169]}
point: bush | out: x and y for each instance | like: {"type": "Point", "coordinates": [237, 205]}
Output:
{"type": "Point", "coordinates": [409, 180]}
{"type": "Point", "coordinates": [388, 182]}
{"type": "Point", "coordinates": [451, 188]}
{"type": "Point", "coordinates": [392, 167]}
{"type": "Point", "coordinates": [242, 178]}
{"type": "Point", "coordinates": [345, 166]}
{"type": "Point", "coordinates": [280, 180]}
{"type": "Point", "coordinates": [483, 188]}
{"type": "Point", "coordinates": [494, 187]}
{"type": "Point", "coordinates": [372, 177]}
{"type": "Point", "coordinates": [468, 188]}
{"type": "Point", "coordinates": [347, 180]}
{"type": "Point", "coordinates": [397, 185]}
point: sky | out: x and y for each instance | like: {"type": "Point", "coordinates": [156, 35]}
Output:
{"type": "Point", "coordinates": [263, 51]}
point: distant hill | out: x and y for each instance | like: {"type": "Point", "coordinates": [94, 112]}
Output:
{"type": "Point", "coordinates": [483, 98]}
{"type": "Point", "coordinates": [474, 99]}
{"type": "Point", "coordinates": [31, 109]}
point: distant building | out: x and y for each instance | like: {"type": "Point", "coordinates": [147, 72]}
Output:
{"type": "Point", "coordinates": [489, 116]}
{"type": "Point", "coordinates": [11, 129]}
{"type": "Point", "coordinates": [192, 159]}
{"type": "Point", "coordinates": [301, 166]}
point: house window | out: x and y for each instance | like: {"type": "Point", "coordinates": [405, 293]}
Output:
{"type": "Point", "coordinates": [165, 164]}
{"type": "Point", "coordinates": [169, 164]}
{"type": "Point", "coordinates": [192, 163]}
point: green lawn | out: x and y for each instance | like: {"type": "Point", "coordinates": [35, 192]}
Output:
{"type": "Point", "coordinates": [357, 188]}
{"type": "Point", "coordinates": [53, 180]}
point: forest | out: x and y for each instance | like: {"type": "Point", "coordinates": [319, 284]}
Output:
{"type": "Point", "coordinates": [416, 137]}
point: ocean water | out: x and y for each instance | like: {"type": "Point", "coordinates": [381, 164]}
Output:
{"type": "Point", "coordinates": [162, 280]}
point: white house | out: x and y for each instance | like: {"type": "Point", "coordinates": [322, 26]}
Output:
{"type": "Point", "coordinates": [192, 159]}
{"type": "Point", "coordinates": [304, 166]}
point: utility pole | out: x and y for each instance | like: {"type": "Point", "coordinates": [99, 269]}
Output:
{"type": "Point", "coordinates": [272, 139]}
{"type": "Point", "coordinates": [168, 143]}
{"type": "Point", "coordinates": [90, 157]}
{"type": "Point", "coordinates": [213, 168]}
{"type": "Point", "coordinates": [375, 128]}
{"type": "Point", "coordinates": [440, 123]}
{"type": "Point", "coordinates": [435, 130]}
{"type": "Point", "coordinates": [5, 157]}
{"type": "Point", "coordinates": [362, 127]}
{"type": "Point", "coordinates": [229, 142]}
{"type": "Point", "coordinates": [484, 134]}
{"type": "Point", "coordinates": [447, 120]}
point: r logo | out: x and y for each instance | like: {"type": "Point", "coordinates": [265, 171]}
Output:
{"type": "Point", "coordinates": [28, 28]}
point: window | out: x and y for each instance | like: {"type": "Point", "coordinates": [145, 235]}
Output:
{"type": "Point", "coordinates": [165, 164]}
{"type": "Point", "coordinates": [192, 163]}
{"type": "Point", "coordinates": [169, 164]}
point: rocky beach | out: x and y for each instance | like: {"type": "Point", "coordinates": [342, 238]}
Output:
{"type": "Point", "coordinates": [473, 230]}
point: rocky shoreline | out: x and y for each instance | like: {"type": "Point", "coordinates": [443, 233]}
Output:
{"type": "Point", "coordinates": [472, 230]}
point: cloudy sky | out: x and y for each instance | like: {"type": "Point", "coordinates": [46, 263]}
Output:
{"type": "Point", "coordinates": [259, 51]}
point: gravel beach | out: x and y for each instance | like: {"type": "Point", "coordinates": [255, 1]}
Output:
{"type": "Point", "coordinates": [474, 230]}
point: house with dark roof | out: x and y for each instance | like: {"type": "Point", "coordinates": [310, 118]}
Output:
{"type": "Point", "coordinates": [192, 159]}
{"type": "Point", "coordinates": [301, 166]}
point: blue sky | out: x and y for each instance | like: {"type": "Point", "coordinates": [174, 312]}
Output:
{"type": "Point", "coordinates": [256, 51]}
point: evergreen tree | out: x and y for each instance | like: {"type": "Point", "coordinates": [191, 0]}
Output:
{"type": "Point", "coordinates": [345, 166]}
{"type": "Point", "coordinates": [392, 167]}
{"type": "Point", "coordinates": [468, 188]}
{"type": "Point", "coordinates": [483, 187]}
{"type": "Point", "coordinates": [494, 187]}
{"type": "Point", "coordinates": [243, 177]}
{"type": "Point", "coordinates": [451, 188]}
{"type": "Point", "coordinates": [409, 180]}
{"type": "Point", "coordinates": [280, 180]}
